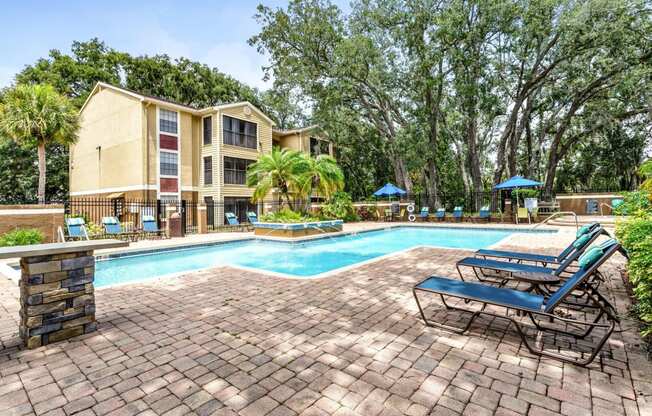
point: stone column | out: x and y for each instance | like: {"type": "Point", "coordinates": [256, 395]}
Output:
{"type": "Point", "coordinates": [202, 219]}
{"type": "Point", "coordinates": [169, 210]}
{"type": "Point", "coordinates": [57, 297]}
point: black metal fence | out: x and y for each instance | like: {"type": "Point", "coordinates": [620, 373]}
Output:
{"type": "Point", "coordinates": [130, 212]}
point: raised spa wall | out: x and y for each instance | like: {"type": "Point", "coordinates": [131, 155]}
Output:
{"type": "Point", "coordinates": [297, 230]}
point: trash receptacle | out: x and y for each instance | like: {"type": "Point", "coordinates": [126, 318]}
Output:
{"type": "Point", "coordinates": [175, 225]}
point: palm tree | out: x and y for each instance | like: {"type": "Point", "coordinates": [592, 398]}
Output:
{"type": "Point", "coordinates": [323, 175]}
{"type": "Point", "coordinates": [283, 170]}
{"type": "Point", "coordinates": [38, 114]}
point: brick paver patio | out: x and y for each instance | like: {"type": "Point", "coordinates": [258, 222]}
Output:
{"type": "Point", "coordinates": [229, 342]}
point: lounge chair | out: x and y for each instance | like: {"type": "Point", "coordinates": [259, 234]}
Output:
{"type": "Point", "coordinates": [252, 217]}
{"type": "Point", "coordinates": [500, 272]}
{"type": "Point", "coordinates": [425, 212]}
{"type": "Point", "coordinates": [538, 308]}
{"type": "Point", "coordinates": [113, 227]}
{"type": "Point", "coordinates": [231, 219]}
{"type": "Point", "coordinates": [485, 213]}
{"type": "Point", "coordinates": [76, 228]}
{"type": "Point", "coordinates": [150, 226]}
{"type": "Point", "coordinates": [441, 214]}
{"type": "Point", "coordinates": [458, 213]}
{"type": "Point", "coordinates": [585, 236]}
{"type": "Point", "coordinates": [388, 215]}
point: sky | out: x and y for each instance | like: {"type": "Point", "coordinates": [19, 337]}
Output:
{"type": "Point", "coordinates": [211, 32]}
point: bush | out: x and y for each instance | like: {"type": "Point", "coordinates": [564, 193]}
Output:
{"type": "Point", "coordinates": [21, 238]}
{"type": "Point", "coordinates": [635, 235]}
{"type": "Point", "coordinates": [288, 216]}
{"type": "Point", "coordinates": [340, 206]}
{"type": "Point", "coordinates": [635, 203]}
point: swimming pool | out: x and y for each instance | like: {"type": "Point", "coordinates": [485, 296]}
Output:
{"type": "Point", "coordinates": [304, 259]}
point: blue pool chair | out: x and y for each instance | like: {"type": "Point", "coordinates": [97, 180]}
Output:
{"type": "Point", "coordinates": [76, 228]}
{"type": "Point", "coordinates": [150, 226]}
{"type": "Point", "coordinates": [425, 211]}
{"type": "Point", "coordinates": [485, 213]}
{"type": "Point", "coordinates": [540, 309]}
{"type": "Point", "coordinates": [231, 219]}
{"type": "Point", "coordinates": [252, 217]}
{"type": "Point", "coordinates": [585, 236]}
{"type": "Point", "coordinates": [440, 214]}
{"type": "Point", "coordinates": [458, 213]}
{"type": "Point", "coordinates": [113, 227]}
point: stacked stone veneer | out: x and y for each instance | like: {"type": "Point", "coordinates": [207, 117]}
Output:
{"type": "Point", "coordinates": [57, 297]}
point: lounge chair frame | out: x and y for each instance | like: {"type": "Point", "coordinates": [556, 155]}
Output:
{"type": "Point", "coordinates": [537, 317]}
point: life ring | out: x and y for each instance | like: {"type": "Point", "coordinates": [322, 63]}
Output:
{"type": "Point", "coordinates": [412, 217]}
{"type": "Point", "coordinates": [410, 208]}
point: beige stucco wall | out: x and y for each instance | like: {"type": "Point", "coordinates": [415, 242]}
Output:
{"type": "Point", "coordinates": [113, 121]}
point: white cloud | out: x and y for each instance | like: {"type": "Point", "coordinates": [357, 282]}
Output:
{"type": "Point", "coordinates": [239, 60]}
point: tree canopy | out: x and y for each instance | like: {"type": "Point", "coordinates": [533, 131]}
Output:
{"type": "Point", "coordinates": [454, 96]}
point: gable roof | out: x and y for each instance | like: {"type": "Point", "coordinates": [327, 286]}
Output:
{"type": "Point", "coordinates": [169, 103]}
{"type": "Point", "coordinates": [283, 133]}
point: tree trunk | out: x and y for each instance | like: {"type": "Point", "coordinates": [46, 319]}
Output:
{"type": "Point", "coordinates": [431, 184]}
{"type": "Point", "coordinates": [474, 161]}
{"type": "Point", "coordinates": [41, 172]}
{"type": "Point", "coordinates": [401, 175]}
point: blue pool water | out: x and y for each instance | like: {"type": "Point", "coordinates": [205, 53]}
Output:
{"type": "Point", "coordinates": [297, 259]}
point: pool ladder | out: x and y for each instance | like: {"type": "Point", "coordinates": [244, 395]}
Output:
{"type": "Point", "coordinates": [557, 214]}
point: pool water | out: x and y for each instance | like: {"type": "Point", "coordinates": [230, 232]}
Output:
{"type": "Point", "coordinates": [296, 259]}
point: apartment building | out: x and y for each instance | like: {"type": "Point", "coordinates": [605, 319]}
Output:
{"type": "Point", "coordinates": [135, 146]}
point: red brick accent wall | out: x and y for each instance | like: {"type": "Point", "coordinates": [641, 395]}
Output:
{"type": "Point", "coordinates": [169, 142]}
{"type": "Point", "coordinates": [169, 185]}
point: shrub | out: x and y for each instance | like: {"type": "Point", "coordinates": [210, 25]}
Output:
{"type": "Point", "coordinates": [23, 237]}
{"type": "Point", "coordinates": [635, 235]}
{"type": "Point", "coordinates": [340, 206]}
{"type": "Point", "coordinates": [365, 214]}
{"type": "Point", "coordinates": [286, 215]}
{"type": "Point", "coordinates": [635, 203]}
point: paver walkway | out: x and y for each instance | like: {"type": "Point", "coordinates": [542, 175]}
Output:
{"type": "Point", "coordinates": [229, 342]}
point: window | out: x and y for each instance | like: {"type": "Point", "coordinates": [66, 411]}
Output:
{"type": "Point", "coordinates": [169, 165]}
{"type": "Point", "coordinates": [318, 147]}
{"type": "Point", "coordinates": [240, 133]}
{"type": "Point", "coordinates": [208, 130]}
{"type": "Point", "coordinates": [208, 170]}
{"type": "Point", "coordinates": [168, 121]}
{"type": "Point", "coordinates": [235, 170]}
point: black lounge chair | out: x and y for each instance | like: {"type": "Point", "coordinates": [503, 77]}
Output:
{"type": "Point", "coordinates": [585, 236]}
{"type": "Point", "coordinates": [537, 308]}
{"type": "Point", "coordinates": [500, 271]}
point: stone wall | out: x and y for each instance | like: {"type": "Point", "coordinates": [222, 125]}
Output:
{"type": "Point", "coordinates": [57, 297]}
{"type": "Point", "coordinates": [45, 218]}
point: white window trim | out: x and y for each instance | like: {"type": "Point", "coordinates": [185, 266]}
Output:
{"type": "Point", "coordinates": [159, 194]}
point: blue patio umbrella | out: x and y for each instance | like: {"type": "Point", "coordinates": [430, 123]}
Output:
{"type": "Point", "coordinates": [389, 190]}
{"type": "Point", "coordinates": [516, 182]}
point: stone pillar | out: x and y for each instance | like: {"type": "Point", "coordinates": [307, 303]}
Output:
{"type": "Point", "coordinates": [202, 219]}
{"type": "Point", "coordinates": [57, 299]}
{"type": "Point", "coordinates": [169, 210]}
